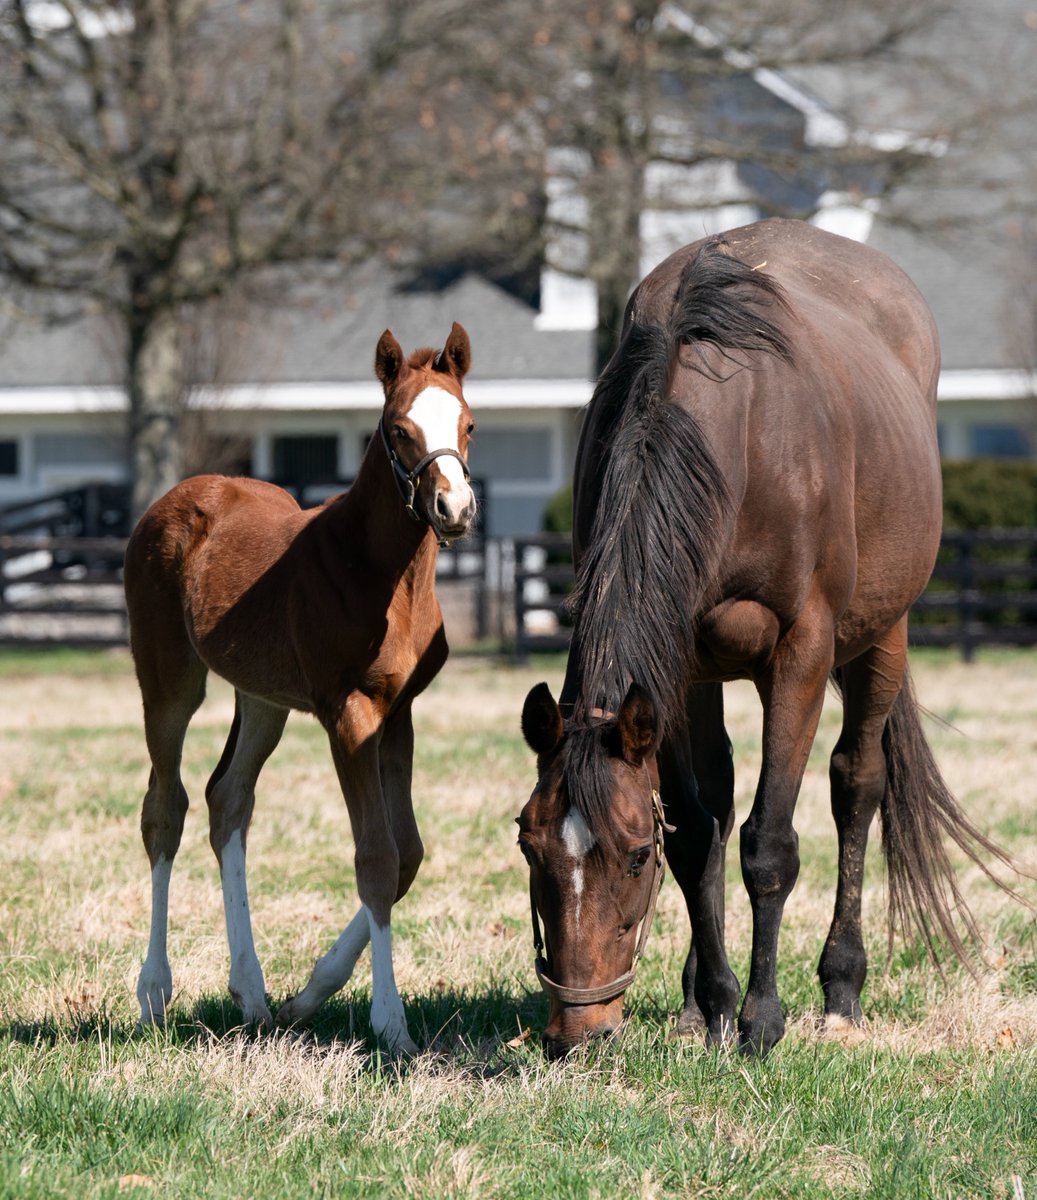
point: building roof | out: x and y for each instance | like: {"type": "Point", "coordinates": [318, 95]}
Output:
{"type": "Point", "coordinates": [326, 332]}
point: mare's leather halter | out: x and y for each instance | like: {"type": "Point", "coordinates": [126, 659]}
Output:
{"type": "Point", "coordinates": [608, 991]}
{"type": "Point", "coordinates": [407, 481]}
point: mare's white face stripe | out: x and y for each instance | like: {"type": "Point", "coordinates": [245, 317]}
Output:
{"type": "Point", "coordinates": [578, 841]}
{"type": "Point", "coordinates": [576, 835]}
{"type": "Point", "coordinates": [437, 413]}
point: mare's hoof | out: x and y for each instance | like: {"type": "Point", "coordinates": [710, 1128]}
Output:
{"type": "Point", "coordinates": [690, 1024]}
{"type": "Point", "coordinates": [837, 1028]}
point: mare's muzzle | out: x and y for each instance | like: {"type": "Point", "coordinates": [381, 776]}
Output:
{"type": "Point", "coordinates": [608, 992]}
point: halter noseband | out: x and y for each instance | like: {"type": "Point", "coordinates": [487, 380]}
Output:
{"type": "Point", "coordinates": [407, 481]}
{"type": "Point", "coordinates": [608, 991]}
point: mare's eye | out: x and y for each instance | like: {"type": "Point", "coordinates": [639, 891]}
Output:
{"type": "Point", "coordinates": [527, 854]}
{"type": "Point", "coordinates": [638, 860]}
{"type": "Point", "coordinates": [471, 428]}
{"type": "Point", "coordinates": [401, 433]}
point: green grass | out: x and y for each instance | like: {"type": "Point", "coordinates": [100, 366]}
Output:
{"type": "Point", "coordinates": [937, 1099]}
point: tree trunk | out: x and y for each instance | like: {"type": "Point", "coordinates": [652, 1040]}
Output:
{"type": "Point", "coordinates": [155, 386]}
{"type": "Point", "coordinates": [614, 237]}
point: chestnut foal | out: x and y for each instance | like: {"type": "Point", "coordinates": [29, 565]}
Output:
{"type": "Point", "coordinates": [331, 611]}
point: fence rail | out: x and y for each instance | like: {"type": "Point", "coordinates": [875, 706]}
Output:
{"type": "Point", "coordinates": [983, 592]}
{"type": "Point", "coordinates": [68, 590]}
{"type": "Point", "coordinates": [62, 591]}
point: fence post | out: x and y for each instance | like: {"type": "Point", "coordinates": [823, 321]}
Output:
{"type": "Point", "coordinates": [967, 597]}
{"type": "Point", "coordinates": [519, 589]}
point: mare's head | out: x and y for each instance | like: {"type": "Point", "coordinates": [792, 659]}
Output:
{"type": "Point", "coordinates": [426, 427]}
{"type": "Point", "coordinates": [591, 834]}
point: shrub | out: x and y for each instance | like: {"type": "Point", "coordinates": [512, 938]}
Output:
{"type": "Point", "coordinates": [986, 493]}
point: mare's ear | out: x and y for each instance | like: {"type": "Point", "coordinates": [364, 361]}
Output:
{"type": "Point", "coordinates": [456, 356]}
{"type": "Point", "coordinates": [638, 726]}
{"type": "Point", "coordinates": [388, 359]}
{"type": "Point", "coordinates": [542, 725]}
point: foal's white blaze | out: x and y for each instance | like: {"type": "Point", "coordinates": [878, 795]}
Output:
{"type": "Point", "coordinates": [246, 975]}
{"type": "Point", "coordinates": [437, 413]}
{"type": "Point", "coordinates": [578, 841]}
{"type": "Point", "coordinates": [155, 985]}
{"type": "Point", "coordinates": [387, 1016]}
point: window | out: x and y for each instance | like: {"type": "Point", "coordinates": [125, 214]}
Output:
{"type": "Point", "coordinates": [511, 454]}
{"type": "Point", "coordinates": [8, 458]}
{"type": "Point", "coordinates": [1000, 441]}
{"type": "Point", "coordinates": [304, 460]}
{"type": "Point", "coordinates": [78, 450]}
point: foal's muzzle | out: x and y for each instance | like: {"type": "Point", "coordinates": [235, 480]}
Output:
{"type": "Point", "coordinates": [450, 518]}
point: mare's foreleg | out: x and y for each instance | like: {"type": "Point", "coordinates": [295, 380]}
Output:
{"type": "Point", "coordinates": [792, 690]}
{"type": "Point", "coordinates": [870, 685]}
{"type": "Point", "coordinates": [697, 778]}
{"type": "Point", "coordinates": [231, 794]}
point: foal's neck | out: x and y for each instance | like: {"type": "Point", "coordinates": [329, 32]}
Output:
{"type": "Point", "coordinates": [372, 519]}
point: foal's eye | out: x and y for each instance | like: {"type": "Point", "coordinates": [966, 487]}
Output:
{"type": "Point", "coordinates": [527, 854]}
{"type": "Point", "coordinates": [471, 428]}
{"type": "Point", "coordinates": [638, 860]}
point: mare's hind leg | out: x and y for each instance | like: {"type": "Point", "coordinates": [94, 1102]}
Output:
{"type": "Point", "coordinates": [172, 690]}
{"type": "Point", "coordinates": [231, 794]}
{"type": "Point", "coordinates": [870, 684]}
{"type": "Point", "coordinates": [697, 777]}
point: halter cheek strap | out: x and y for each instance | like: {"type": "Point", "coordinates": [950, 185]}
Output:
{"type": "Point", "coordinates": [608, 991]}
{"type": "Point", "coordinates": [408, 481]}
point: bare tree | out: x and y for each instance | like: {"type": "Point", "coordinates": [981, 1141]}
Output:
{"type": "Point", "coordinates": [635, 106]}
{"type": "Point", "coordinates": [154, 155]}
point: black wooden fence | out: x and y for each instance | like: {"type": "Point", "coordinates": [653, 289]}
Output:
{"type": "Point", "coordinates": [61, 567]}
{"type": "Point", "coordinates": [60, 587]}
{"type": "Point", "coordinates": [983, 592]}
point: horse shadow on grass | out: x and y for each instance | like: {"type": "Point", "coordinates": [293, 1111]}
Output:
{"type": "Point", "coordinates": [490, 1032]}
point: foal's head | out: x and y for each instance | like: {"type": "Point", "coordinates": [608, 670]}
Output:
{"type": "Point", "coordinates": [591, 834]}
{"type": "Point", "coordinates": [426, 427]}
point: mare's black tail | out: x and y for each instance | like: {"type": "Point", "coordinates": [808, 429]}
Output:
{"type": "Point", "coordinates": [918, 814]}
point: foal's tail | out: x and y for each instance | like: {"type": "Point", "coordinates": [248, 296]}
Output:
{"type": "Point", "coordinates": [918, 813]}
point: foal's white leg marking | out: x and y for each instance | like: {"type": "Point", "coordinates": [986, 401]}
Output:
{"type": "Point", "coordinates": [246, 975]}
{"type": "Point", "coordinates": [331, 973]}
{"type": "Point", "coordinates": [387, 1016]}
{"type": "Point", "coordinates": [578, 841]}
{"type": "Point", "coordinates": [155, 985]}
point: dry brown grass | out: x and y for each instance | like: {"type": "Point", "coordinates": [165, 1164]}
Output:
{"type": "Point", "coordinates": [466, 919]}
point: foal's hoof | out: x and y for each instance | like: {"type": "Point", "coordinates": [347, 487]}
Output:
{"type": "Point", "coordinates": [291, 1013]}
{"type": "Point", "coordinates": [406, 1047]}
{"type": "Point", "coordinates": [255, 1014]}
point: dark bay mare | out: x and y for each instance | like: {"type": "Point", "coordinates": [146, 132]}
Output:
{"type": "Point", "coordinates": [757, 495]}
{"type": "Point", "coordinates": [331, 611]}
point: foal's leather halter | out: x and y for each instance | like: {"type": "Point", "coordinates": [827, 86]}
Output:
{"type": "Point", "coordinates": [608, 991]}
{"type": "Point", "coordinates": [407, 481]}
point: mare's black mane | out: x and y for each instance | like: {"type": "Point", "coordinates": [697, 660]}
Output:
{"type": "Point", "coordinates": [663, 513]}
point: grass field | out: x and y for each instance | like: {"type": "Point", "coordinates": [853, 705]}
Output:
{"type": "Point", "coordinates": [937, 1096]}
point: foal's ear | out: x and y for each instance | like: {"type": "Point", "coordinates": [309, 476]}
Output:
{"type": "Point", "coordinates": [542, 725]}
{"type": "Point", "coordinates": [388, 358]}
{"type": "Point", "coordinates": [638, 725]}
{"type": "Point", "coordinates": [456, 356]}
